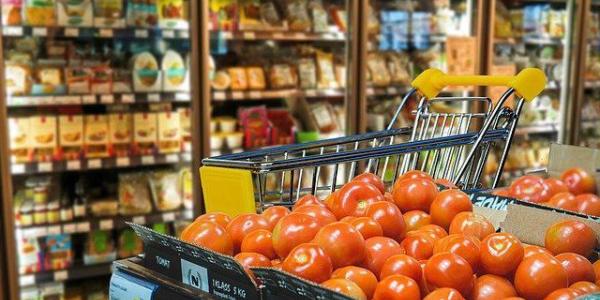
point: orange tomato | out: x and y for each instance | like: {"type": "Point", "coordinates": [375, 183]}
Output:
{"type": "Point", "coordinates": [212, 236]}
{"type": "Point", "coordinates": [387, 196]}
{"type": "Point", "coordinates": [342, 243]}
{"type": "Point", "coordinates": [215, 217]}
{"type": "Point", "coordinates": [491, 287]}
{"type": "Point", "coordinates": [397, 287]}
{"type": "Point", "coordinates": [444, 294]}
{"type": "Point", "coordinates": [419, 246]}
{"type": "Point", "coordinates": [259, 241]}
{"type": "Point", "coordinates": [564, 294]}
{"type": "Point", "coordinates": [345, 287]}
{"type": "Point", "coordinates": [588, 204]}
{"type": "Point", "coordinates": [364, 278]}
{"type": "Point", "coordinates": [447, 204]}
{"type": "Point", "coordinates": [564, 200]}
{"type": "Point", "coordinates": [329, 200]}
{"type": "Point", "coordinates": [307, 199]}
{"type": "Point", "coordinates": [570, 236]}
{"type": "Point", "coordinates": [293, 230]}
{"type": "Point", "coordinates": [530, 188]}
{"type": "Point", "coordinates": [449, 270]}
{"type": "Point", "coordinates": [502, 192]}
{"type": "Point", "coordinates": [500, 253]}
{"type": "Point", "coordinates": [578, 267]}
{"type": "Point", "coordinates": [514, 298]}
{"type": "Point", "coordinates": [467, 247]}
{"type": "Point", "coordinates": [241, 225]}
{"type": "Point", "coordinates": [556, 186]}
{"type": "Point", "coordinates": [539, 275]}
{"type": "Point", "coordinates": [585, 287]}
{"type": "Point", "coordinates": [348, 219]}
{"type": "Point", "coordinates": [274, 213]}
{"type": "Point", "coordinates": [372, 179]}
{"type": "Point", "coordinates": [529, 250]}
{"type": "Point", "coordinates": [308, 261]}
{"type": "Point", "coordinates": [189, 231]}
{"type": "Point", "coordinates": [596, 266]}
{"type": "Point", "coordinates": [416, 219]}
{"type": "Point", "coordinates": [250, 259]}
{"type": "Point", "coordinates": [414, 174]}
{"type": "Point", "coordinates": [402, 264]}
{"type": "Point", "coordinates": [319, 212]}
{"type": "Point", "coordinates": [379, 249]}
{"type": "Point", "coordinates": [367, 227]}
{"type": "Point", "coordinates": [469, 223]}
{"type": "Point", "coordinates": [354, 198]}
{"type": "Point", "coordinates": [414, 194]}
{"type": "Point", "coordinates": [579, 181]}
{"type": "Point", "coordinates": [389, 217]}
{"type": "Point", "coordinates": [276, 262]}
{"type": "Point", "coordinates": [435, 229]}
{"type": "Point", "coordinates": [446, 183]}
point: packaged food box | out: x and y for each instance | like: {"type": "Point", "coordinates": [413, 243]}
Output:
{"type": "Point", "coordinates": [169, 135]}
{"type": "Point", "coordinates": [142, 13]}
{"type": "Point", "coordinates": [11, 12]}
{"type": "Point", "coordinates": [185, 125]}
{"type": "Point", "coordinates": [129, 244]}
{"type": "Point", "coordinates": [30, 254]}
{"type": "Point", "coordinates": [58, 254]}
{"type": "Point", "coordinates": [239, 78]}
{"type": "Point", "coordinates": [40, 12]}
{"type": "Point", "coordinates": [48, 81]}
{"type": "Point", "coordinates": [96, 136]}
{"type": "Point", "coordinates": [145, 132]}
{"type": "Point", "coordinates": [99, 248]}
{"type": "Point", "coordinates": [255, 125]}
{"type": "Point", "coordinates": [174, 72]}
{"type": "Point", "coordinates": [101, 80]}
{"type": "Point", "coordinates": [121, 81]}
{"type": "Point", "coordinates": [166, 190]}
{"type": "Point", "coordinates": [146, 74]}
{"type": "Point", "coordinates": [20, 139]}
{"type": "Point", "coordinates": [70, 128]}
{"type": "Point", "coordinates": [17, 79]}
{"type": "Point", "coordinates": [75, 13]}
{"type": "Point", "coordinates": [109, 13]}
{"type": "Point", "coordinates": [173, 14]}
{"type": "Point", "coordinates": [256, 78]}
{"type": "Point", "coordinates": [44, 140]}
{"type": "Point", "coordinates": [79, 80]}
{"type": "Point", "coordinates": [120, 137]}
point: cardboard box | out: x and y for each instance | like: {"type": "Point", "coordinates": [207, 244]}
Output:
{"type": "Point", "coordinates": [144, 132]}
{"type": "Point", "coordinates": [563, 157]}
{"type": "Point", "coordinates": [120, 133]}
{"type": "Point", "coordinates": [20, 139]}
{"type": "Point", "coordinates": [96, 136]}
{"type": "Point", "coordinates": [70, 128]}
{"type": "Point", "coordinates": [169, 132]}
{"type": "Point", "coordinates": [44, 141]}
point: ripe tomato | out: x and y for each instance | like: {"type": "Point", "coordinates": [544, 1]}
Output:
{"type": "Point", "coordinates": [556, 186]}
{"type": "Point", "coordinates": [293, 230]}
{"type": "Point", "coordinates": [579, 181]}
{"type": "Point", "coordinates": [242, 225]}
{"type": "Point", "coordinates": [354, 198]}
{"type": "Point", "coordinates": [367, 227]}
{"type": "Point", "coordinates": [462, 245]}
{"type": "Point", "coordinates": [308, 261]}
{"type": "Point", "coordinates": [530, 250]}
{"type": "Point", "coordinates": [416, 219]}
{"type": "Point", "coordinates": [329, 200]}
{"type": "Point", "coordinates": [596, 266]}
{"type": "Point", "coordinates": [345, 287]}
{"type": "Point", "coordinates": [500, 253]}
{"type": "Point", "coordinates": [397, 287]}
{"type": "Point", "coordinates": [364, 278]}
{"type": "Point", "coordinates": [588, 204]}
{"type": "Point", "coordinates": [502, 192]}
{"type": "Point", "coordinates": [539, 275]}
{"type": "Point", "coordinates": [389, 217]}
{"type": "Point", "coordinates": [570, 236]}
{"type": "Point", "coordinates": [446, 183]}
{"type": "Point", "coordinates": [189, 231]}
{"type": "Point", "coordinates": [379, 249]}
{"type": "Point", "coordinates": [514, 298]}
{"type": "Point", "coordinates": [371, 179]}
{"type": "Point", "coordinates": [419, 246]}
{"type": "Point", "coordinates": [348, 219]}
{"type": "Point", "coordinates": [307, 199]}
{"type": "Point", "coordinates": [215, 217]}
{"type": "Point", "coordinates": [435, 229]}
{"type": "Point", "coordinates": [444, 294]}
{"type": "Point", "coordinates": [564, 200]}
{"type": "Point", "coordinates": [387, 196]}
{"type": "Point", "coordinates": [319, 212]}
{"type": "Point", "coordinates": [402, 264]}
{"type": "Point", "coordinates": [212, 236]}
{"type": "Point", "coordinates": [449, 270]}
{"type": "Point", "coordinates": [585, 287]}
{"type": "Point", "coordinates": [414, 194]}
{"type": "Point", "coordinates": [447, 205]}
{"type": "Point", "coordinates": [276, 262]}
{"type": "Point", "coordinates": [578, 267]}
{"type": "Point", "coordinates": [273, 214]}
{"type": "Point", "coordinates": [250, 259]}
{"type": "Point", "coordinates": [342, 243]}
{"type": "Point", "coordinates": [491, 287]}
{"type": "Point", "coordinates": [530, 188]}
{"type": "Point", "coordinates": [469, 223]}
{"type": "Point", "coordinates": [259, 241]}
{"type": "Point", "coordinates": [413, 174]}
{"type": "Point", "coordinates": [564, 294]}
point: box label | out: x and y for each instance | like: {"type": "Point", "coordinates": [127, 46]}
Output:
{"type": "Point", "coordinates": [194, 275]}
{"type": "Point", "coordinates": [491, 201]}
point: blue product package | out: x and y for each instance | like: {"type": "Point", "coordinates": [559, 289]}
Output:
{"type": "Point", "coordinates": [124, 287]}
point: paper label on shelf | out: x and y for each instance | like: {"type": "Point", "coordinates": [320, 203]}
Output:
{"type": "Point", "coordinates": [254, 95]}
{"type": "Point", "coordinates": [13, 31]}
{"type": "Point", "coordinates": [194, 275]}
{"type": "Point", "coordinates": [139, 220]}
{"type": "Point", "coordinates": [25, 280]}
{"type": "Point", "coordinates": [182, 96]}
{"type": "Point", "coordinates": [311, 93]}
{"type": "Point", "coordinates": [188, 215]}
{"type": "Point", "coordinates": [249, 35]}
{"type": "Point", "coordinates": [278, 35]}
{"type": "Point", "coordinates": [169, 34]}
{"type": "Point", "coordinates": [83, 227]}
{"type": "Point", "coordinates": [18, 169]}
{"type": "Point", "coordinates": [147, 160]}
{"type": "Point", "coordinates": [237, 95]}
{"type": "Point", "coordinates": [67, 99]}
{"type": "Point", "coordinates": [40, 31]}
{"type": "Point", "coordinates": [141, 33]}
{"type": "Point", "coordinates": [45, 167]}
{"type": "Point", "coordinates": [127, 98]}
{"type": "Point", "coordinates": [391, 90]}
{"type": "Point", "coordinates": [226, 35]}
{"type": "Point", "coordinates": [153, 97]}
{"type": "Point", "coordinates": [88, 99]}
{"type": "Point", "coordinates": [73, 165]}
{"type": "Point", "coordinates": [69, 228]}
{"type": "Point", "coordinates": [106, 32]}
{"type": "Point", "coordinates": [186, 157]}
{"type": "Point", "coordinates": [35, 232]}
{"type": "Point", "coordinates": [94, 164]}
{"type": "Point", "coordinates": [169, 217]}
{"type": "Point", "coordinates": [370, 91]}
{"type": "Point", "coordinates": [123, 162]}
{"type": "Point", "coordinates": [54, 229]}
{"type": "Point", "coordinates": [172, 158]}
{"type": "Point", "coordinates": [61, 275]}
{"type": "Point", "coordinates": [72, 32]}
{"type": "Point", "coordinates": [106, 224]}
{"type": "Point", "coordinates": [107, 99]}
{"type": "Point", "coordinates": [219, 96]}
{"type": "Point", "coordinates": [300, 35]}
{"type": "Point", "coordinates": [184, 34]}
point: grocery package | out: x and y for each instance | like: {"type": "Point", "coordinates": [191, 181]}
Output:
{"type": "Point", "coordinates": [307, 73]}
{"type": "Point", "coordinates": [185, 179]}
{"type": "Point", "coordinates": [134, 194]}
{"type": "Point", "coordinates": [75, 13]}
{"type": "Point", "coordinates": [173, 13]}
{"type": "Point", "coordinates": [109, 13]}
{"type": "Point", "coordinates": [326, 73]}
{"type": "Point", "coordinates": [256, 78]}
{"type": "Point", "coordinates": [71, 132]}
{"type": "Point", "coordinates": [169, 135]}
{"type": "Point", "coordinates": [79, 80]}
{"type": "Point", "coordinates": [40, 12]}
{"type": "Point", "coordinates": [30, 254]}
{"type": "Point", "coordinates": [99, 248]}
{"type": "Point", "coordinates": [175, 72]}
{"type": "Point", "coordinates": [129, 244]}
{"type": "Point", "coordinates": [48, 81]}
{"type": "Point", "coordinates": [146, 73]}
{"type": "Point", "coordinates": [11, 12]}
{"type": "Point", "coordinates": [142, 13]}
{"type": "Point", "coordinates": [282, 76]}
{"type": "Point", "coordinates": [166, 190]}
{"type": "Point", "coordinates": [297, 15]}
{"type": "Point", "coordinates": [17, 78]}
{"type": "Point", "coordinates": [44, 137]}
{"type": "Point", "coordinates": [255, 124]}
{"type": "Point", "coordinates": [96, 136]}
{"type": "Point", "coordinates": [145, 134]}
{"type": "Point", "coordinates": [239, 78]}
{"type": "Point", "coordinates": [58, 253]}
{"type": "Point", "coordinates": [20, 139]}
{"type": "Point", "coordinates": [377, 69]}
{"type": "Point", "coordinates": [120, 133]}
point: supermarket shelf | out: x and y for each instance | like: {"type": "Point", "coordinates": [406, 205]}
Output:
{"type": "Point", "coordinates": [94, 99]}
{"type": "Point", "coordinates": [73, 273]}
{"type": "Point", "coordinates": [102, 223]}
{"type": "Point", "coordinates": [99, 163]}
{"type": "Point", "coordinates": [386, 91]}
{"type": "Point", "coordinates": [333, 36]}
{"type": "Point", "coordinates": [276, 94]}
{"type": "Point", "coordinates": [531, 40]}
{"type": "Point", "coordinates": [589, 124]}
{"type": "Point", "coordinates": [591, 84]}
{"type": "Point", "coordinates": [93, 32]}
{"type": "Point", "coordinates": [537, 129]}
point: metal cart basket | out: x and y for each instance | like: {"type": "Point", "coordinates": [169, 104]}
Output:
{"type": "Point", "coordinates": [450, 145]}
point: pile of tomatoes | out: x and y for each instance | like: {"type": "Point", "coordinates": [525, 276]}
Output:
{"type": "Point", "coordinates": [416, 242]}
{"type": "Point", "coordinates": [574, 191]}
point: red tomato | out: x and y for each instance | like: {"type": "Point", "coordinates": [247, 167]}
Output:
{"type": "Point", "coordinates": [556, 186]}
{"type": "Point", "coordinates": [564, 294]}
{"type": "Point", "coordinates": [435, 229]}
{"type": "Point", "coordinates": [500, 253]}
{"type": "Point", "coordinates": [189, 231]}
{"type": "Point", "coordinates": [215, 217]}
{"type": "Point", "coordinates": [293, 230]}
{"type": "Point", "coordinates": [416, 219]}
{"type": "Point", "coordinates": [530, 250]}
{"type": "Point", "coordinates": [502, 192]}
{"type": "Point", "coordinates": [491, 287]}
{"type": "Point", "coordinates": [444, 294]}
{"type": "Point", "coordinates": [578, 267]}
{"type": "Point", "coordinates": [348, 219]}
{"type": "Point", "coordinates": [397, 287]}
{"type": "Point", "coordinates": [367, 227]}
{"type": "Point", "coordinates": [449, 270]}
{"type": "Point", "coordinates": [530, 188]}
{"type": "Point", "coordinates": [585, 287]}
{"type": "Point", "coordinates": [402, 264]}
{"type": "Point", "coordinates": [379, 249]}
{"type": "Point", "coordinates": [319, 212]}
{"type": "Point", "coordinates": [596, 266]}
{"type": "Point", "coordinates": [342, 243]}
{"type": "Point", "coordinates": [462, 245]}
{"type": "Point", "coordinates": [447, 205]}
{"type": "Point", "coordinates": [308, 261]}
{"type": "Point", "coordinates": [387, 196]}
{"type": "Point", "coordinates": [469, 223]}
{"type": "Point", "coordinates": [588, 204]}
{"type": "Point", "coordinates": [329, 200]}
{"type": "Point", "coordinates": [364, 278]}
{"type": "Point", "coordinates": [445, 182]}
{"type": "Point", "coordinates": [250, 259]}
{"type": "Point", "coordinates": [241, 225]}
{"type": "Point", "coordinates": [564, 200]}
{"type": "Point", "coordinates": [274, 213]}
{"type": "Point", "coordinates": [308, 199]}
{"type": "Point", "coordinates": [371, 179]}
{"type": "Point", "coordinates": [212, 236]}
{"type": "Point", "coordinates": [419, 246]}
{"type": "Point", "coordinates": [345, 287]}
{"type": "Point", "coordinates": [259, 241]}
{"type": "Point", "coordinates": [354, 198]}
{"type": "Point", "coordinates": [414, 194]}
{"type": "Point", "coordinates": [413, 174]}
{"type": "Point", "coordinates": [570, 236]}
{"type": "Point", "coordinates": [539, 275]}
{"type": "Point", "coordinates": [389, 217]}
{"type": "Point", "coordinates": [579, 181]}
{"type": "Point", "coordinates": [514, 298]}
{"type": "Point", "coordinates": [276, 262]}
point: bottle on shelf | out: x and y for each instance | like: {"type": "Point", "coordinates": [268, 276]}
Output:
{"type": "Point", "coordinates": [80, 201]}
{"type": "Point", "coordinates": [66, 208]}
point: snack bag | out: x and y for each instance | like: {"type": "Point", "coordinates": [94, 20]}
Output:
{"type": "Point", "coordinates": [40, 12]}
{"type": "Point", "coordinates": [166, 191]}
{"type": "Point", "coordinates": [134, 197]}
{"type": "Point", "coordinates": [11, 12]}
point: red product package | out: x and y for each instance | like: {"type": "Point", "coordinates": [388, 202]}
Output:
{"type": "Point", "coordinates": [256, 126]}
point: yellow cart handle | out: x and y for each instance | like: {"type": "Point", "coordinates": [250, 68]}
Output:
{"type": "Point", "coordinates": [529, 83]}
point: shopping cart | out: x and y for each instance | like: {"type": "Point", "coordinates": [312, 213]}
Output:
{"type": "Point", "coordinates": [450, 145]}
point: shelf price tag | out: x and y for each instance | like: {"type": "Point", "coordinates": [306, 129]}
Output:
{"type": "Point", "coordinates": [311, 93]}
{"type": "Point", "coordinates": [147, 160]}
{"type": "Point", "coordinates": [250, 35]}
{"type": "Point", "coordinates": [219, 96]}
{"type": "Point", "coordinates": [127, 98]}
{"type": "Point", "coordinates": [106, 32]}
{"type": "Point", "coordinates": [391, 90]}
{"type": "Point", "coordinates": [153, 97]}
{"type": "Point", "coordinates": [88, 99]}
{"type": "Point", "coordinates": [94, 164]}
{"type": "Point", "coordinates": [107, 224]}
{"type": "Point", "coordinates": [168, 34]}
{"type": "Point", "coordinates": [141, 33]}
{"type": "Point", "coordinates": [139, 220]}
{"type": "Point", "coordinates": [123, 162]}
{"type": "Point", "coordinates": [184, 34]}
{"type": "Point", "coordinates": [13, 31]}
{"type": "Point", "coordinates": [183, 96]}
{"type": "Point", "coordinates": [172, 158]}
{"type": "Point", "coordinates": [237, 95]}
{"type": "Point", "coordinates": [69, 228]}
{"type": "Point", "coordinates": [40, 31]}
{"type": "Point", "coordinates": [83, 227]}
{"type": "Point", "coordinates": [18, 169]}
{"type": "Point", "coordinates": [61, 275]}
{"type": "Point", "coordinates": [45, 167]}
{"type": "Point", "coordinates": [73, 165]}
{"type": "Point", "coordinates": [26, 280]}
{"type": "Point", "coordinates": [71, 32]}
{"type": "Point", "coordinates": [254, 95]}
{"type": "Point", "coordinates": [107, 99]}
{"type": "Point", "coordinates": [278, 36]}
{"type": "Point", "coordinates": [169, 217]}
{"type": "Point", "coordinates": [54, 229]}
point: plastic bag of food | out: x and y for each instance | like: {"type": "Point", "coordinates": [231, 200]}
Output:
{"type": "Point", "coordinates": [282, 76]}
{"type": "Point", "coordinates": [166, 191]}
{"type": "Point", "coordinates": [239, 78]}
{"type": "Point", "coordinates": [326, 73]}
{"type": "Point", "coordinates": [307, 73]}
{"type": "Point", "coordinates": [40, 12]}
{"type": "Point", "coordinates": [11, 12]}
{"type": "Point", "coordinates": [378, 70]}
{"type": "Point", "coordinates": [99, 248]}
{"type": "Point", "coordinates": [134, 197]}
{"type": "Point", "coordinates": [129, 244]}
{"type": "Point", "coordinates": [297, 15]}
{"type": "Point", "coordinates": [256, 78]}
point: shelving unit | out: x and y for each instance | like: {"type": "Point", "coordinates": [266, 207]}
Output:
{"type": "Point", "coordinates": [97, 99]}
{"type": "Point", "coordinates": [72, 273]}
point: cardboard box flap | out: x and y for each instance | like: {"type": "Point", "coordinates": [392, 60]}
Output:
{"type": "Point", "coordinates": [278, 284]}
{"type": "Point", "coordinates": [487, 200]}
{"type": "Point", "coordinates": [563, 157]}
{"type": "Point", "coordinates": [494, 216]}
